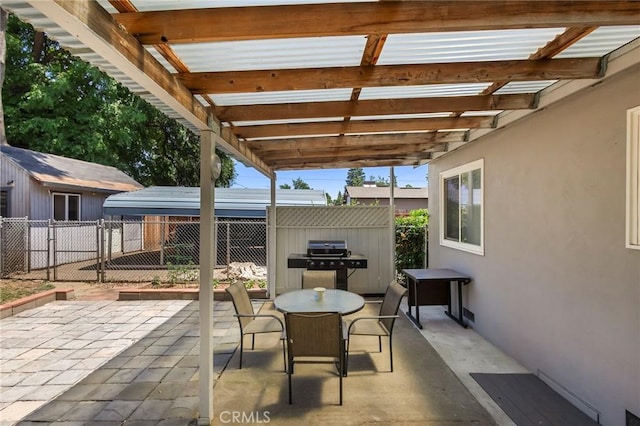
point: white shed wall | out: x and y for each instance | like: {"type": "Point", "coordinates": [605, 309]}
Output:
{"type": "Point", "coordinates": [18, 191]}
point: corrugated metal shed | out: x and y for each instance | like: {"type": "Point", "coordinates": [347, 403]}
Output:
{"type": "Point", "coordinates": [185, 201]}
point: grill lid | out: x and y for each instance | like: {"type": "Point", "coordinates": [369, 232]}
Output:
{"type": "Point", "coordinates": [327, 248]}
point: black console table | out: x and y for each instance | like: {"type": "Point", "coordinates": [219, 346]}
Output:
{"type": "Point", "coordinates": [433, 287]}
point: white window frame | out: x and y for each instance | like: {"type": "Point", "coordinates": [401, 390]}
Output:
{"type": "Point", "coordinates": [471, 248]}
{"type": "Point", "coordinates": [632, 228]}
{"type": "Point", "coordinates": [66, 204]}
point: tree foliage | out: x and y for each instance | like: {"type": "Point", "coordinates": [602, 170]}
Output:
{"type": "Point", "coordinates": [380, 181]}
{"type": "Point", "coordinates": [355, 177]}
{"type": "Point", "coordinates": [411, 236]}
{"type": "Point", "coordinates": [56, 103]}
{"type": "Point", "coordinates": [297, 183]}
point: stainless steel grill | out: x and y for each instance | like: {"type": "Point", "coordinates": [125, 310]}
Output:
{"type": "Point", "coordinates": [328, 255]}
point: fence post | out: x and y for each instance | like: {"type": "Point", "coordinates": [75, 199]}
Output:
{"type": "Point", "coordinates": [27, 253]}
{"type": "Point", "coordinates": [426, 246]}
{"type": "Point", "coordinates": [110, 238]}
{"type": "Point", "coordinates": [2, 258]}
{"type": "Point", "coordinates": [162, 238]}
{"type": "Point", "coordinates": [99, 244]}
{"type": "Point", "coordinates": [228, 248]}
{"type": "Point", "coordinates": [53, 243]}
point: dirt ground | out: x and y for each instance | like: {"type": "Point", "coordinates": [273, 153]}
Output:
{"type": "Point", "coordinates": [81, 290]}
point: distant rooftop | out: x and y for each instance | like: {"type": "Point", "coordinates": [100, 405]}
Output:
{"type": "Point", "coordinates": [185, 201]}
{"type": "Point", "coordinates": [384, 192]}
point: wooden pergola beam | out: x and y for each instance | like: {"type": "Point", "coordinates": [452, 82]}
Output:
{"type": "Point", "coordinates": [361, 126]}
{"type": "Point", "coordinates": [413, 154]}
{"type": "Point", "coordinates": [390, 75]}
{"type": "Point", "coordinates": [394, 141]}
{"type": "Point", "coordinates": [392, 17]}
{"type": "Point", "coordinates": [375, 107]}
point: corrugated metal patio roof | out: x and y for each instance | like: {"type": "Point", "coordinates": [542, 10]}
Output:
{"type": "Point", "coordinates": [272, 72]}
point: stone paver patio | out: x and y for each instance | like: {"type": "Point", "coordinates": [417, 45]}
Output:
{"type": "Point", "coordinates": [107, 362]}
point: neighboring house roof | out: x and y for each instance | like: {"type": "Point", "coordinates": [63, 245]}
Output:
{"type": "Point", "coordinates": [383, 192]}
{"type": "Point", "coordinates": [185, 201]}
{"type": "Point", "coordinates": [57, 171]}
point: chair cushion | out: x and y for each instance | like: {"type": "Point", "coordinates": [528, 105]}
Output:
{"type": "Point", "coordinates": [263, 325]}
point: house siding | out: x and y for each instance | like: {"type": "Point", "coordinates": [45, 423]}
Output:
{"type": "Point", "coordinates": [403, 204]}
{"type": "Point", "coordinates": [556, 288]}
{"type": "Point", "coordinates": [90, 207]}
{"type": "Point", "coordinates": [28, 198]}
{"type": "Point", "coordinates": [18, 192]}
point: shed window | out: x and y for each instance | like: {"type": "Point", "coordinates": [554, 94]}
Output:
{"type": "Point", "coordinates": [4, 203]}
{"type": "Point", "coordinates": [633, 179]}
{"type": "Point", "coordinates": [461, 207]}
{"type": "Point", "coordinates": [66, 206]}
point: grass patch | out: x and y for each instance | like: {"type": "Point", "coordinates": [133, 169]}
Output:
{"type": "Point", "coordinates": [14, 291]}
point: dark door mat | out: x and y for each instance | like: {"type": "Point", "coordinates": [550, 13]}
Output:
{"type": "Point", "coordinates": [527, 400]}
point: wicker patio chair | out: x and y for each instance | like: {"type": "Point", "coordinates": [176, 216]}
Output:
{"type": "Point", "coordinates": [379, 325]}
{"type": "Point", "coordinates": [311, 279]}
{"type": "Point", "coordinates": [250, 322]}
{"type": "Point", "coordinates": [317, 335]}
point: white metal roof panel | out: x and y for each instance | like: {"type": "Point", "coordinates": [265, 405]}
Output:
{"type": "Point", "coordinates": [146, 5]}
{"type": "Point", "coordinates": [601, 41]}
{"type": "Point", "coordinates": [400, 116]}
{"type": "Point", "coordinates": [524, 87]}
{"type": "Point", "coordinates": [272, 54]}
{"type": "Point", "coordinates": [464, 46]}
{"type": "Point", "coordinates": [288, 121]}
{"type": "Point", "coordinates": [291, 96]}
{"type": "Point", "coordinates": [425, 91]}
{"type": "Point", "coordinates": [479, 113]}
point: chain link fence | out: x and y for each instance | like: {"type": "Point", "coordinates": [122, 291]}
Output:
{"type": "Point", "coordinates": [150, 249]}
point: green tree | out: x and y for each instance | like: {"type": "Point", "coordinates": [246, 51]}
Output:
{"type": "Point", "coordinates": [56, 103]}
{"type": "Point", "coordinates": [300, 184]}
{"type": "Point", "coordinates": [339, 199]}
{"type": "Point", "coordinates": [296, 184]}
{"type": "Point", "coordinates": [355, 177]}
{"type": "Point", "coordinates": [380, 181]}
{"type": "Point", "coordinates": [411, 236]}
{"type": "Point", "coordinates": [4, 16]}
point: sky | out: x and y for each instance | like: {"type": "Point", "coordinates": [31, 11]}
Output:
{"type": "Point", "coordinates": [331, 181]}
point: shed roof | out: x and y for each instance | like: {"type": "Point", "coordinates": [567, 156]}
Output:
{"type": "Point", "coordinates": [185, 201]}
{"type": "Point", "coordinates": [62, 172]}
{"type": "Point", "coordinates": [382, 192]}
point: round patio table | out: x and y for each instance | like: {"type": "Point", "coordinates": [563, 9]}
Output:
{"type": "Point", "coordinates": [341, 301]}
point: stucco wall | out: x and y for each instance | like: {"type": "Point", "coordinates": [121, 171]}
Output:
{"type": "Point", "coordinates": [556, 288]}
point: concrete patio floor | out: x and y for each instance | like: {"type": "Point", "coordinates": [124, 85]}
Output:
{"type": "Point", "coordinates": [136, 363]}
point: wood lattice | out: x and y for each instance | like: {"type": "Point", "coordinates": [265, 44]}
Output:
{"type": "Point", "coordinates": [333, 216]}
